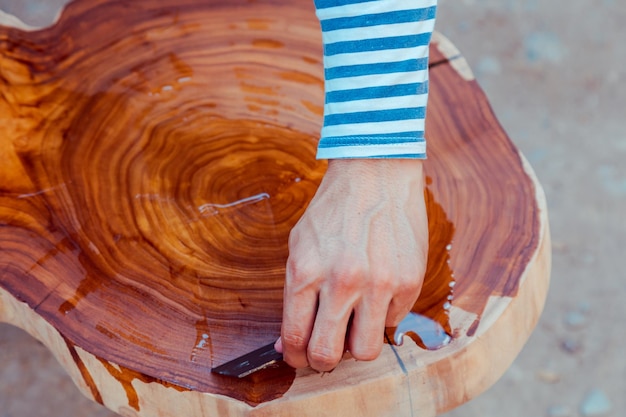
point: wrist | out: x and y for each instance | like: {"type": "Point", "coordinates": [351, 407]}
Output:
{"type": "Point", "coordinates": [389, 168]}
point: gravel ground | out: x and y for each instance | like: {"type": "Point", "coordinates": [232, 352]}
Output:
{"type": "Point", "coordinates": [555, 73]}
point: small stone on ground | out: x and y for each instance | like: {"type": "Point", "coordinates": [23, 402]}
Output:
{"type": "Point", "coordinates": [559, 411]}
{"type": "Point", "coordinates": [596, 403]}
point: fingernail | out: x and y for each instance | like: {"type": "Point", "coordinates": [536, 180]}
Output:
{"type": "Point", "coordinates": [278, 346]}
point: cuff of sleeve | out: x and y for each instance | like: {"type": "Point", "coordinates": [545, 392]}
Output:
{"type": "Point", "coordinates": [405, 150]}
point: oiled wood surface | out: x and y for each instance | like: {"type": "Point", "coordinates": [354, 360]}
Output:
{"type": "Point", "coordinates": [155, 156]}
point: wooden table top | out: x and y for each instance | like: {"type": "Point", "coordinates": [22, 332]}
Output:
{"type": "Point", "coordinates": [155, 156]}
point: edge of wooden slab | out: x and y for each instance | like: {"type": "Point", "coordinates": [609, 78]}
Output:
{"type": "Point", "coordinates": [455, 59]}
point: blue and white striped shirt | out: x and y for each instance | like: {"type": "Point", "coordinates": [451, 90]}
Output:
{"type": "Point", "coordinates": [376, 72]}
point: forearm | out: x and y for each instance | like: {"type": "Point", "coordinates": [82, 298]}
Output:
{"type": "Point", "coordinates": [376, 71]}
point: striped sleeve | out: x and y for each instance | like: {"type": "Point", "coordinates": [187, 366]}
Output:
{"type": "Point", "coordinates": [376, 77]}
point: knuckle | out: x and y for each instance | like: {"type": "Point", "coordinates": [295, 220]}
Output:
{"type": "Point", "coordinates": [344, 285]}
{"type": "Point", "coordinates": [384, 283]}
{"type": "Point", "coordinates": [408, 281]}
{"type": "Point", "coordinates": [300, 270]}
{"type": "Point", "coordinates": [347, 278]}
{"type": "Point", "coordinates": [413, 269]}
{"type": "Point", "coordinates": [293, 237]}
{"type": "Point", "coordinates": [410, 290]}
{"type": "Point", "coordinates": [294, 340]}
{"type": "Point", "coordinates": [294, 234]}
{"type": "Point", "coordinates": [367, 352]}
{"type": "Point", "coordinates": [323, 359]}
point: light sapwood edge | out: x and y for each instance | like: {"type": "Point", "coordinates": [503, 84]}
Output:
{"type": "Point", "coordinates": [456, 60]}
{"type": "Point", "coordinates": [10, 20]}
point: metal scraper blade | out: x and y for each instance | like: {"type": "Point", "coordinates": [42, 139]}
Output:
{"type": "Point", "coordinates": [250, 362]}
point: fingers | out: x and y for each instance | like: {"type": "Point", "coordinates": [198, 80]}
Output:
{"type": "Point", "coordinates": [314, 331]}
{"type": "Point", "coordinates": [327, 343]}
{"type": "Point", "coordinates": [365, 341]}
{"type": "Point", "coordinates": [401, 305]}
{"type": "Point", "coordinates": [316, 328]}
{"type": "Point", "coordinates": [374, 313]}
{"type": "Point", "coordinates": [298, 319]}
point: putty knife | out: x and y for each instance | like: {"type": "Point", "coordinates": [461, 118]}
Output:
{"type": "Point", "coordinates": [250, 362]}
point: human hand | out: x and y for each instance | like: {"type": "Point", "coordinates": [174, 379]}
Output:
{"type": "Point", "coordinates": [356, 263]}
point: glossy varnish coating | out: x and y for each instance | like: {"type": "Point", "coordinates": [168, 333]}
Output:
{"type": "Point", "coordinates": [155, 156]}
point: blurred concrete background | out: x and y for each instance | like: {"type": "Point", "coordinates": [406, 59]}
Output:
{"type": "Point", "coordinates": [555, 72]}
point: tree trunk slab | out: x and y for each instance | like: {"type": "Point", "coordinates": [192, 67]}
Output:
{"type": "Point", "coordinates": [155, 156]}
